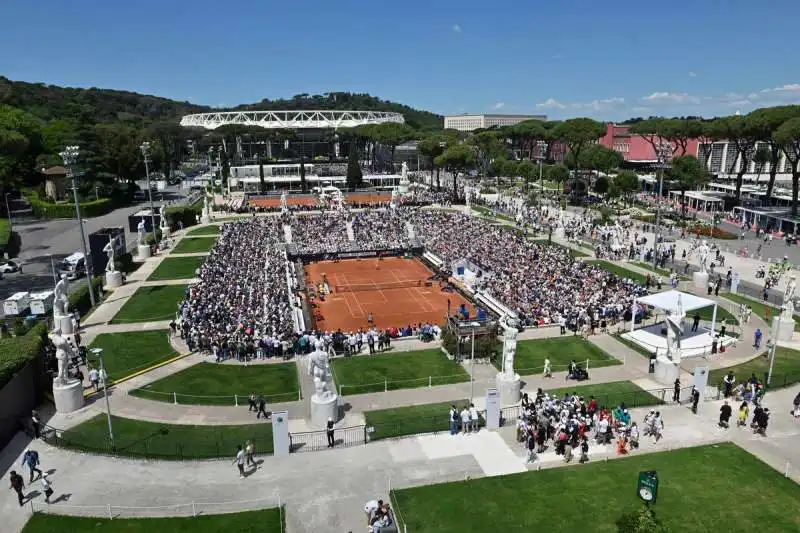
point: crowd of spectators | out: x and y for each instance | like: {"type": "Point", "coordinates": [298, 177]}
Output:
{"type": "Point", "coordinates": [324, 233]}
{"type": "Point", "coordinates": [381, 229]}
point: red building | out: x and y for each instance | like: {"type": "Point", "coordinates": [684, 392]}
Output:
{"type": "Point", "coordinates": [635, 148]}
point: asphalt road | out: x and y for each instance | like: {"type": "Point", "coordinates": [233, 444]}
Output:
{"type": "Point", "coordinates": [56, 239]}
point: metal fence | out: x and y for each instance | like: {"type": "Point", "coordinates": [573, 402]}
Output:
{"type": "Point", "coordinates": [388, 384]}
{"type": "Point", "coordinates": [232, 399]}
{"type": "Point", "coordinates": [312, 441]}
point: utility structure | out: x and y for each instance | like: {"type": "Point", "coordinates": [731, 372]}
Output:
{"type": "Point", "coordinates": [145, 148]}
{"type": "Point", "coordinates": [99, 353]}
{"type": "Point", "coordinates": [70, 158]}
{"type": "Point", "coordinates": [542, 150]}
{"type": "Point", "coordinates": [663, 153]}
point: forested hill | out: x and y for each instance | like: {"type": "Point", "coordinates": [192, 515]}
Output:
{"type": "Point", "coordinates": [108, 105]}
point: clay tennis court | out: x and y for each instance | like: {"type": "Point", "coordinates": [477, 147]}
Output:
{"type": "Point", "coordinates": [369, 198]}
{"type": "Point", "coordinates": [348, 309]}
{"type": "Point", "coordinates": [273, 203]}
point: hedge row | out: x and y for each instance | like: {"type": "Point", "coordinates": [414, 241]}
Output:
{"type": "Point", "coordinates": [10, 243]}
{"type": "Point", "coordinates": [79, 299]}
{"type": "Point", "coordinates": [17, 352]}
{"type": "Point", "coordinates": [187, 214]}
{"type": "Point", "coordinates": [93, 208]}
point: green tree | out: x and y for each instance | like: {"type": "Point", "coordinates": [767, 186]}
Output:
{"type": "Point", "coordinates": [599, 158]}
{"type": "Point", "coordinates": [627, 183]}
{"type": "Point", "coordinates": [262, 183]}
{"type": "Point", "coordinates": [761, 158]}
{"type": "Point", "coordinates": [433, 145]}
{"type": "Point", "coordinates": [354, 176]}
{"type": "Point", "coordinates": [391, 134]}
{"type": "Point", "coordinates": [642, 520]}
{"type": "Point", "coordinates": [687, 173]}
{"type": "Point", "coordinates": [766, 121]}
{"type": "Point", "coordinates": [788, 137]}
{"type": "Point", "coordinates": [558, 173]}
{"type": "Point", "coordinates": [456, 159]}
{"type": "Point", "coordinates": [602, 185]}
{"type": "Point", "coordinates": [578, 133]}
{"type": "Point", "coordinates": [488, 147]}
{"type": "Point", "coordinates": [20, 145]}
{"type": "Point", "coordinates": [527, 170]}
{"type": "Point", "coordinates": [741, 134]}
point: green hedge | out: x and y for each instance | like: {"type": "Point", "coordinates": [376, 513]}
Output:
{"type": "Point", "coordinates": [79, 299]}
{"type": "Point", "coordinates": [187, 214]}
{"type": "Point", "coordinates": [93, 208]}
{"type": "Point", "coordinates": [10, 243]}
{"type": "Point", "coordinates": [16, 352]}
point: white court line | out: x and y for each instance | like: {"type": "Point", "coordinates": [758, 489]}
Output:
{"type": "Point", "coordinates": [355, 300]}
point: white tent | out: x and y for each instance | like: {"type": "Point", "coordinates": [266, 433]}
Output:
{"type": "Point", "coordinates": [668, 300]}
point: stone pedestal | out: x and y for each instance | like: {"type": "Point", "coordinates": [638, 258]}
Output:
{"type": "Point", "coordinates": [786, 329]}
{"type": "Point", "coordinates": [64, 324]}
{"type": "Point", "coordinates": [205, 219]}
{"type": "Point", "coordinates": [508, 387]}
{"type": "Point", "coordinates": [324, 408]}
{"type": "Point", "coordinates": [165, 232]}
{"type": "Point", "coordinates": [666, 371]}
{"type": "Point", "coordinates": [700, 280]}
{"type": "Point", "coordinates": [113, 279]}
{"type": "Point", "coordinates": [143, 251]}
{"type": "Point", "coordinates": [68, 396]}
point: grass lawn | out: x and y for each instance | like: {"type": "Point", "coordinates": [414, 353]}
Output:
{"type": "Point", "coordinates": [392, 371]}
{"type": "Point", "coordinates": [204, 230]}
{"type": "Point", "coordinates": [560, 350]}
{"type": "Point", "coordinates": [611, 394]}
{"type": "Point", "coordinates": [411, 420]}
{"type": "Point", "coordinates": [177, 268]}
{"type": "Point", "coordinates": [137, 438]}
{"type": "Point", "coordinates": [149, 304]}
{"type": "Point", "coordinates": [663, 272]}
{"type": "Point", "coordinates": [785, 370]}
{"type": "Point", "coordinates": [760, 308]}
{"type": "Point", "coordinates": [129, 352]}
{"type": "Point", "coordinates": [489, 213]}
{"type": "Point", "coordinates": [573, 252]}
{"type": "Point", "coordinates": [263, 521]}
{"type": "Point", "coordinates": [622, 272]}
{"type": "Point", "coordinates": [197, 244]}
{"type": "Point", "coordinates": [632, 345]}
{"type": "Point", "coordinates": [701, 490]}
{"type": "Point", "coordinates": [707, 312]}
{"type": "Point", "coordinates": [216, 384]}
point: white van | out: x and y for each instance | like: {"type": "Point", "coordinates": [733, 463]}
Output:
{"type": "Point", "coordinates": [73, 266]}
{"type": "Point", "coordinates": [17, 304]}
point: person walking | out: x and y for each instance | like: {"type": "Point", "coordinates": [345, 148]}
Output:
{"type": "Point", "coordinates": [530, 444]}
{"type": "Point", "coordinates": [695, 399]}
{"type": "Point", "coordinates": [548, 370]}
{"type": "Point", "coordinates": [18, 484]}
{"type": "Point", "coordinates": [262, 404]}
{"type": "Point", "coordinates": [329, 432]}
{"type": "Point", "coordinates": [248, 454]}
{"type": "Point", "coordinates": [729, 381]}
{"type": "Point", "coordinates": [796, 405]}
{"type": "Point", "coordinates": [725, 413]}
{"type": "Point", "coordinates": [239, 461]}
{"type": "Point", "coordinates": [252, 403]}
{"type": "Point", "coordinates": [31, 459]}
{"type": "Point", "coordinates": [676, 392]}
{"type": "Point", "coordinates": [744, 412]}
{"type": "Point", "coordinates": [36, 423]}
{"type": "Point", "coordinates": [47, 487]}
{"type": "Point", "coordinates": [757, 339]}
{"type": "Point", "coordinates": [453, 420]}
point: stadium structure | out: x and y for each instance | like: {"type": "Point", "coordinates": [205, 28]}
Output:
{"type": "Point", "coordinates": [301, 137]}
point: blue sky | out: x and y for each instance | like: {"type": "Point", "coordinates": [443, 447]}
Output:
{"type": "Point", "coordinates": [572, 58]}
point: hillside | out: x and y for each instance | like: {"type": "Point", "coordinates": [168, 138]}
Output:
{"type": "Point", "coordinates": [108, 105]}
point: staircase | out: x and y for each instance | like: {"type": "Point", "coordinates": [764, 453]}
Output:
{"type": "Point", "coordinates": [287, 234]}
{"type": "Point", "coordinates": [350, 235]}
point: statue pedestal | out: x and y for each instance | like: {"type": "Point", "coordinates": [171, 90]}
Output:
{"type": "Point", "coordinates": [68, 396]}
{"type": "Point", "coordinates": [205, 219]}
{"type": "Point", "coordinates": [666, 371]}
{"type": "Point", "coordinates": [165, 232]}
{"type": "Point", "coordinates": [143, 251]}
{"type": "Point", "coordinates": [784, 330]}
{"type": "Point", "coordinates": [113, 279]}
{"type": "Point", "coordinates": [700, 280]}
{"type": "Point", "coordinates": [64, 324]}
{"type": "Point", "coordinates": [324, 408]}
{"type": "Point", "coordinates": [508, 387]}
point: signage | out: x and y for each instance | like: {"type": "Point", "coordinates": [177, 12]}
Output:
{"type": "Point", "coordinates": [492, 409]}
{"type": "Point", "coordinates": [647, 486]}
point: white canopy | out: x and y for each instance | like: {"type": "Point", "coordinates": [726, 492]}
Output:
{"type": "Point", "coordinates": [668, 300]}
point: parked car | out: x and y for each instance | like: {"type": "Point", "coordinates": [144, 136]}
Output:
{"type": "Point", "coordinates": [9, 266]}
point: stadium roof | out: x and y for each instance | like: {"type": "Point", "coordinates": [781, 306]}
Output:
{"type": "Point", "coordinates": [291, 119]}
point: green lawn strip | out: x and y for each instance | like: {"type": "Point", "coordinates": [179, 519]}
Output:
{"type": "Point", "coordinates": [150, 304]}
{"type": "Point", "coordinates": [632, 345]}
{"type": "Point", "coordinates": [177, 268]}
{"type": "Point", "coordinates": [722, 314]}
{"type": "Point", "coordinates": [611, 394]}
{"type": "Point", "coordinates": [411, 420]}
{"type": "Point", "coordinates": [357, 375]}
{"type": "Point", "coordinates": [760, 308]}
{"type": "Point", "coordinates": [785, 369]}
{"type": "Point", "coordinates": [138, 438]}
{"type": "Point", "coordinates": [621, 272]}
{"type": "Point", "coordinates": [572, 251]}
{"type": "Point", "coordinates": [694, 494]}
{"type": "Point", "coordinates": [489, 213]}
{"type": "Point", "coordinates": [661, 271]}
{"type": "Point", "coordinates": [204, 230]}
{"type": "Point", "coordinates": [127, 353]}
{"type": "Point", "coordinates": [263, 521]}
{"type": "Point", "coordinates": [560, 350]}
{"type": "Point", "coordinates": [218, 384]}
{"type": "Point", "coordinates": [196, 244]}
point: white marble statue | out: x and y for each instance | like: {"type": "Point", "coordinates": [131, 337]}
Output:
{"type": "Point", "coordinates": [788, 298]}
{"type": "Point", "coordinates": [109, 251]}
{"type": "Point", "coordinates": [510, 333]}
{"type": "Point", "coordinates": [674, 323]}
{"type": "Point", "coordinates": [319, 368]}
{"type": "Point", "coordinates": [141, 232]}
{"type": "Point", "coordinates": [162, 213]}
{"type": "Point", "coordinates": [404, 173]}
{"type": "Point", "coordinates": [61, 297]}
{"type": "Point", "coordinates": [63, 350]}
{"type": "Point", "coordinates": [703, 252]}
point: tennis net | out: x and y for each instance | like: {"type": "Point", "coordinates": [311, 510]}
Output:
{"type": "Point", "coordinates": [362, 287]}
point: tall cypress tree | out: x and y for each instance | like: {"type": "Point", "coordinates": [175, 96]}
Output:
{"type": "Point", "coordinates": [354, 175]}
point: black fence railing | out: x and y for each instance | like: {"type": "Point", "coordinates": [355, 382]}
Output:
{"type": "Point", "coordinates": [312, 441]}
{"type": "Point", "coordinates": [422, 425]}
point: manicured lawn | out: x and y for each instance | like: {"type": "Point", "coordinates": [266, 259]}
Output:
{"type": "Point", "coordinates": [130, 352]}
{"type": "Point", "coordinates": [560, 350]}
{"type": "Point", "coordinates": [149, 304]}
{"type": "Point", "coordinates": [411, 420]}
{"type": "Point", "coordinates": [701, 490]}
{"type": "Point", "coordinates": [391, 371]}
{"type": "Point", "coordinates": [622, 272]}
{"type": "Point", "coordinates": [663, 272]}
{"type": "Point", "coordinates": [177, 268]}
{"type": "Point", "coordinates": [137, 438]}
{"type": "Point", "coordinates": [707, 312]}
{"type": "Point", "coordinates": [204, 230]}
{"type": "Point", "coordinates": [192, 245]}
{"type": "Point", "coordinates": [573, 252]}
{"type": "Point", "coordinates": [785, 370]}
{"type": "Point", "coordinates": [489, 213]}
{"type": "Point", "coordinates": [264, 521]}
{"type": "Point", "coordinates": [765, 311]}
{"type": "Point", "coordinates": [218, 384]}
{"type": "Point", "coordinates": [611, 394]}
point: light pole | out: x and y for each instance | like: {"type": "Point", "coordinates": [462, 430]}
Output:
{"type": "Point", "coordinates": [70, 158]}
{"type": "Point", "coordinates": [99, 353]}
{"type": "Point", "coordinates": [145, 148]}
{"type": "Point", "coordinates": [473, 325]}
{"type": "Point", "coordinates": [53, 269]}
{"type": "Point", "coordinates": [773, 348]}
{"type": "Point", "coordinates": [542, 145]}
{"type": "Point", "coordinates": [10, 220]}
{"type": "Point", "coordinates": [663, 151]}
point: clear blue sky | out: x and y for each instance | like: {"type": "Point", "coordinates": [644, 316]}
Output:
{"type": "Point", "coordinates": [609, 60]}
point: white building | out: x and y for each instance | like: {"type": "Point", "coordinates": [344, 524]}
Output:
{"type": "Point", "coordinates": [722, 159]}
{"type": "Point", "coordinates": [474, 122]}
